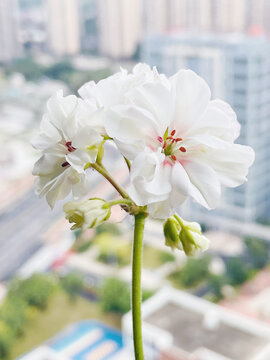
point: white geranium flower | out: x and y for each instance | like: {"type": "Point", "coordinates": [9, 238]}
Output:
{"type": "Point", "coordinates": [68, 145]}
{"type": "Point", "coordinates": [182, 143]}
{"type": "Point", "coordinates": [87, 213]}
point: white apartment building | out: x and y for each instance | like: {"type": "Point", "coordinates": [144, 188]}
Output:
{"type": "Point", "coordinates": [9, 44]}
{"type": "Point", "coordinates": [237, 69]}
{"type": "Point", "coordinates": [120, 25]}
{"type": "Point", "coordinates": [63, 27]}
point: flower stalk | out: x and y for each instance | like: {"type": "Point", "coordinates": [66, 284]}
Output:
{"type": "Point", "coordinates": [101, 169]}
{"type": "Point", "coordinates": [136, 285]}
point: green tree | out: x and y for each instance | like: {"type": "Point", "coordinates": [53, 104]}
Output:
{"type": "Point", "coordinates": [72, 284]}
{"type": "Point", "coordinates": [216, 283]}
{"type": "Point", "coordinates": [30, 69]}
{"type": "Point", "coordinates": [6, 340]}
{"type": "Point", "coordinates": [166, 257]}
{"type": "Point", "coordinates": [60, 70]}
{"type": "Point", "coordinates": [115, 296]}
{"type": "Point", "coordinates": [35, 291]}
{"type": "Point", "coordinates": [258, 252]}
{"type": "Point", "coordinates": [12, 313]}
{"type": "Point", "coordinates": [195, 271]}
{"type": "Point", "coordinates": [237, 271]}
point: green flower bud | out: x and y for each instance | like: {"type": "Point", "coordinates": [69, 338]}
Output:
{"type": "Point", "coordinates": [191, 237]}
{"type": "Point", "coordinates": [87, 213]}
{"type": "Point", "coordinates": [184, 235]}
{"type": "Point", "coordinates": [171, 230]}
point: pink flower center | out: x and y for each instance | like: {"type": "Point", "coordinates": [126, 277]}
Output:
{"type": "Point", "coordinates": [169, 145]}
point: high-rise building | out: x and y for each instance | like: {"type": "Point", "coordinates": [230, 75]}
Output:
{"type": "Point", "coordinates": [89, 26]}
{"type": "Point", "coordinates": [33, 27]}
{"type": "Point", "coordinates": [63, 27]}
{"type": "Point", "coordinates": [10, 47]}
{"type": "Point", "coordinates": [119, 27]}
{"type": "Point", "coordinates": [237, 69]}
{"type": "Point", "coordinates": [222, 16]}
{"type": "Point", "coordinates": [163, 16]}
{"type": "Point", "coordinates": [257, 15]}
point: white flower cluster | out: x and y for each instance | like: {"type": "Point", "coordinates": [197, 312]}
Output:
{"type": "Point", "coordinates": [180, 143]}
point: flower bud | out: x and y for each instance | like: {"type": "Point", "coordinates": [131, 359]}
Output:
{"type": "Point", "coordinates": [87, 213]}
{"type": "Point", "coordinates": [171, 230]}
{"type": "Point", "coordinates": [184, 235]}
{"type": "Point", "coordinates": [192, 238]}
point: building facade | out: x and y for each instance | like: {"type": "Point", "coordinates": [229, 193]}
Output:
{"type": "Point", "coordinates": [237, 69]}
{"type": "Point", "coordinates": [10, 47]}
{"type": "Point", "coordinates": [119, 23]}
{"type": "Point", "coordinates": [63, 27]}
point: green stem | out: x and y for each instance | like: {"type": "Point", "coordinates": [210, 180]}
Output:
{"type": "Point", "coordinates": [136, 285]}
{"type": "Point", "coordinates": [120, 202]}
{"type": "Point", "coordinates": [101, 169]}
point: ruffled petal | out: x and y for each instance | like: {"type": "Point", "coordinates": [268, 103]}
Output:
{"type": "Point", "coordinates": [157, 99]}
{"type": "Point", "coordinates": [132, 126]}
{"type": "Point", "coordinates": [218, 120]}
{"type": "Point", "coordinates": [192, 95]}
{"type": "Point", "coordinates": [232, 165]}
{"type": "Point", "coordinates": [205, 186]}
{"type": "Point", "coordinates": [149, 179]}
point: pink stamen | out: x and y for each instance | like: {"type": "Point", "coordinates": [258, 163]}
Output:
{"type": "Point", "coordinates": [164, 145]}
{"type": "Point", "coordinates": [160, 139]}
{"type": "Point", "coordinates": [183, 149]}
{"type": "Point", "coordinates": [178, 139]}
{"type": "Point", "coordinates": [173, 132]}
{"type": "Point", "coordinates": [173, 157]}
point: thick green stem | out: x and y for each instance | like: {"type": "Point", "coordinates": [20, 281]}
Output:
{"type": "Point", "coordinates": [136, 285]}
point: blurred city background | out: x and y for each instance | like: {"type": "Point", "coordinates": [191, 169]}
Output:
{"type": "Point", "coordinates": [65, 295]}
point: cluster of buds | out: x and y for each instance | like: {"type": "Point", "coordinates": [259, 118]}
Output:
{"type": "Point", "coordinates": [184, 235]}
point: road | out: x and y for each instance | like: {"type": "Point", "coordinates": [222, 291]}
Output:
{"type": "Point", "coordinates": [21, 229]}
{"type": "Point", "coordinates": [23, 223]}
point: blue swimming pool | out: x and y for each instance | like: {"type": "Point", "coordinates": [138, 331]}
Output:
{"type": "Point", "coordinates": [88, 339]}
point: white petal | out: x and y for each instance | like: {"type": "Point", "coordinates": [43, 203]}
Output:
{"type": "Point", "coordinates": [79, 158]}
{"type": "Point", "coordinates": [205, 186]}
{"type": "Point", "coordinates": [192, 95]}
{"type": "Point", "coordinates": [160, 210]}
{"type": "Point", "coordinates": [107, 92]}
{"type": "Point", "coordinates": [130, 125]}
{"type": "Point", "coordinates": [88, 114]}
{"type": "Point", "coordinates": [86, 137]}
{"type": "Point", "coordinates": [60, 108]}
{"type": "Point", "coordinates": [157, 99]}
{"type": "Point", "coordinates": [149, 179]}
{"type": "Point", "coordinates": [48, 136]}
{"type": "Point", "coordinates": [59, 189]}
{"type": "Point", "coordinates": [218, 120]}
{"type": "Point", "coordinates": [232, 164]}
{"type": "Point", "coordinates": [180, 185]}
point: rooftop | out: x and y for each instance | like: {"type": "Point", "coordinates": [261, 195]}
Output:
{"type": "Point", "coordinates": [177, 322]}
{"type": "Point", "coordinates": [190, 333]}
